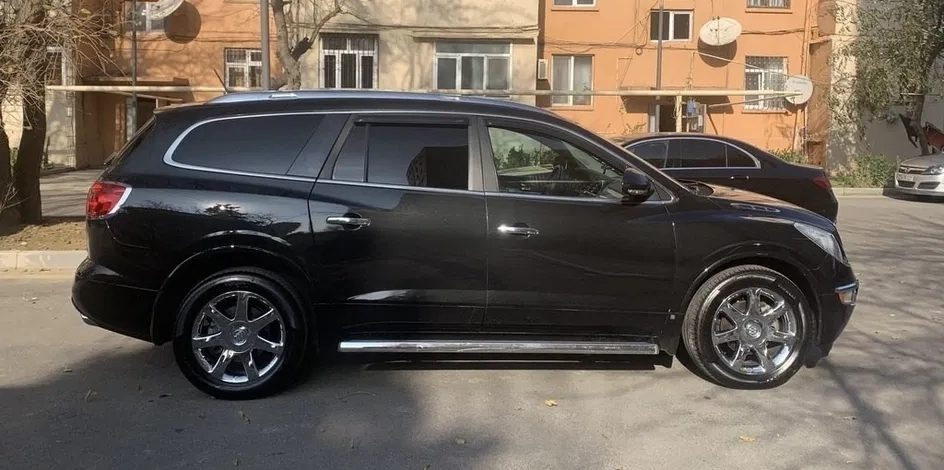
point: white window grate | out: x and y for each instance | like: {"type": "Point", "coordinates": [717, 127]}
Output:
{"type": "Point", "coordinates": [242, 67]}
{"type": "Point", "coordinates": [768, 3]}
{"type": "Point", "coordinates": [765, 73]}
{"type": "Point", "coordinates": [349, 61]}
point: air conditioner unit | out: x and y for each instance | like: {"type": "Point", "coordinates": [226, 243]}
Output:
{"type": "Point", "coordinates": [542, 69]}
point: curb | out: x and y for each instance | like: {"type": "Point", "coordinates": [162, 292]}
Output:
{"type": "Point", "coordinates": [40, 260]}
{"type": "Point", "coordinates": [840, 192]}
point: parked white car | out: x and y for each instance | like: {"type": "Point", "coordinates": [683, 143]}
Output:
{"type": "Point", "coordinates": [921, 176]}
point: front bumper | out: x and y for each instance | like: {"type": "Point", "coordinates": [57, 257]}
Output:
{"type": "Point", "coordinates": [107, 304]}
{"type": "Point", "coordinates": [836, 309]}
{"type": "Point", "coordinates": [919, 185]}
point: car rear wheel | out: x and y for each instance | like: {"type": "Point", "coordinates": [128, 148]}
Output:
{"type": "Point", "coordinates": [748, 327]}
{"type": "Point", "coordinates": [241, 334]}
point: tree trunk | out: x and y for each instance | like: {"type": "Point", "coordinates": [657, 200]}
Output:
{"type": "Point", "coordinates": [29, 161]}
{"type": "Point", "coordinates": [917, 112]}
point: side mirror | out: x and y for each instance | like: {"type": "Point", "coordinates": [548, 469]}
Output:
{"type": "Point", "coordinates": [636, 185]}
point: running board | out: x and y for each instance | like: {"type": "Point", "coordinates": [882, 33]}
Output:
{"type": "Point", "coordinates": [504, 347]}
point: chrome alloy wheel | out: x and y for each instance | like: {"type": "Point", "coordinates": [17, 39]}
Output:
{"type": "Point", "coordinates": [238, 337]}
{"type": "Point", "coordinates": [754, 332]}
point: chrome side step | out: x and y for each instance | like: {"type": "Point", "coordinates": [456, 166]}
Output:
{"type": "Point", "coordinates": [504, 347]}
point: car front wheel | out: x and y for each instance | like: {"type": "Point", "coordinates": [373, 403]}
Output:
{"type": "Point", "coordinates": [240, 335]}
{"type": "Point", "coordinates": [748, 327]}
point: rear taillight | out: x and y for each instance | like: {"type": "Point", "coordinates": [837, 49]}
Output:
{"type": "Point", "coordinates": [105, 198]}
{"type": "Point", "coordinates": [822, 182]}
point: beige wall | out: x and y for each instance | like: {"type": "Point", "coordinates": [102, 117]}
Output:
{"type": "Point", "coordinates": [12, 109]}
{"type": "Point", "coordinates": [616, 33]}
{"type": "Point", "coordinates": [407, 31]}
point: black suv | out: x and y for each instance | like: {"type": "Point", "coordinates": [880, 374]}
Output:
{"type": "Point", "coordinates": [257, 229]}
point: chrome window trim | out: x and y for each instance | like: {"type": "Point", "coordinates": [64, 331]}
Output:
{"type": "Point", "coordinates": [658, 139]}
{"type": "Point", "coordinates": [169, 160]}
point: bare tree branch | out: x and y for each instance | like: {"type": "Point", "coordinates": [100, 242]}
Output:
{"type": "Point", "coordinates": [290, 54]}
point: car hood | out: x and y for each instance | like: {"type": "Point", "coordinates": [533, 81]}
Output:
{"type": "Point", "coordinates": [759, 205]}
{"type": "Point", "coordinates": [925, 161]}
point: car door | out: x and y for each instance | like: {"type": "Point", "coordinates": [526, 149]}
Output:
{"type": "Point", "coordinates": [399, 220]}
{"type": "Point", "coordinates": [565, 254]}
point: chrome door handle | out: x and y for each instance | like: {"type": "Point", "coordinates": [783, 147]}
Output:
{"type": "Point", "coordinates": [515, 230]}
{"type": "Point", "coordinates": [344, 220]}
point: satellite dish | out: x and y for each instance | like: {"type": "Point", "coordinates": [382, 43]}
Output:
{"type": "Point", "coordinates": [163, 8]}
{"type": "Point", "coordinates": [802, 86]}
{"type": "Point", "coordinates": [720, 31]}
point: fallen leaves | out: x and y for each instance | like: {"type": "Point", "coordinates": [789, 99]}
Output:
{"type": "Point", "coordinates": [460, 441]}
{"type": "Point", "coordinates": [550, 403]}
{"type": "Point", "coordinates": [66, 370]}
{"type": "Point", "coordinates": [747, 439]}
{"type": "Point", "coordinates": [89, 394]}
{"type": "Point", "coordinates": [243, 416]}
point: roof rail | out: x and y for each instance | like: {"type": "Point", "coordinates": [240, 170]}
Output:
{"type": "Point", "coordinates": [244, 96]}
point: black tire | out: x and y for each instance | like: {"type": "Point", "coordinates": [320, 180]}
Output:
{"type": "Point", "coordinates": [297, 340]}
{"type": "Point", "coordinates": [698, 326]}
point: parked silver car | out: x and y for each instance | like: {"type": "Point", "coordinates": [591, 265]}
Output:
{"type": "Point", "coordinates": [921, 176]}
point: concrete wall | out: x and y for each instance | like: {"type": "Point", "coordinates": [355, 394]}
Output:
{"type": "Point", "coordinates": [408, 29]}
{"type": "Point", "coordinates": [617, 35]}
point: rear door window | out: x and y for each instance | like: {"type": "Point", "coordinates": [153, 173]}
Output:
{"type": "Point", "coordinates": [258, 144]}
{"type": "Point", "coordinates": [406, 154]}
{"type": "Point", "coordinates": [700, 153]}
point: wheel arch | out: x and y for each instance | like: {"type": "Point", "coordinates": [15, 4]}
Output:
{"type": "Point", "coordinates": [206, 262]}
{"type": "Point", "coordinates": [782, 263]}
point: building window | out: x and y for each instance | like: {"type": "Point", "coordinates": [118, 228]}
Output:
{"type": "Point", "coordinates": [768, 3]}
{"type": "Point", "coordinates": [575, 3]}
{"type": "Point", "coordinates": [676, 26]}
{"type": "Point", "coordinates": [464, 65]}
{"type": "Point", "coordinates": [572, 73]}
{"type": "Point", "coordinates": [349, 61]}
{"type": "Point", "coordinates": [764, 73]}
{"type": "Point", "coordinates": [141, 17]}
{"type": "Point", "coordinates": [243, 67]}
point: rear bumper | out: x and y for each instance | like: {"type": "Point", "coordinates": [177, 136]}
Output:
{"type": "Point", "coordinates": [103, 302]}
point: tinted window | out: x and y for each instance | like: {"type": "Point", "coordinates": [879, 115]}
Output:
{"type": "Point", "coordinates": [263, 144]}
{"type": "Point", "coordinates": [652, 152]}
{"type": "Point", "coordinates": [738, 159]}
{"type": "Point", "coordinates": [350, 165]}
{"type": "Point", "coordinates": [698, 153]}
{"type": "Point", "coordinates": [534, 163]}
{"type": "Point", "coordinates": [431, 156]}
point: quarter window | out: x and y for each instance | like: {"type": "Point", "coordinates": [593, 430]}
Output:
{"type": "Point", "coordinates": [533, 163]}
{"type": "Point", "coordinates": [421, 155]}
{"type": "Point", "coordinates": [676, 25]}
{"type": "Point", "coordinates": [765, 73]}
{"type": "Point", "coordinates": [473, 65]}
{"type": "Point", "coordinates": [349, 61]}
{"type": "Point", "coordinates": [243, 67]}
{"type": "Point", "coordinates": [738, 159]}
{"type": "Point", "coordinates": [235, 144]}
{"type": "Point", "coordinates": [572, 73]}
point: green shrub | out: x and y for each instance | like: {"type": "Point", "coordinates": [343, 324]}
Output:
{"type": "Point", "coordinates": [791, 155]}
{"type": "Point", "coordinates": [866, 171]}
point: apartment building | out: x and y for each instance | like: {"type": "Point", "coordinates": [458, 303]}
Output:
{"type": "Point", "coordinates": [611, 46]}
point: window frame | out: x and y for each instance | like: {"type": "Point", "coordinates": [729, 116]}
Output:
{"type": "Point", "coordinates": [146, 19]}
{"type": "Point", "coordinates": [575, 4]}
{"type": "Point", "coordinates": [668, 142]}
{"type": "Point", "coordinates": [396, 117]}
{"type": "Point", "coordinates": [671, 25]}
{"type": "Point", "coordinates": [348, 41]}
{"type": "Point", "coordinates": [660, 194]}
{"type": "Point", "coordinates": [766, 4]}
{"type": "Point", "coordinates": [246, 66]}
{"type": "Point", "coordinates": [458, 56]}
{"type": "Point", "coordinates": [571, 60]}
{"type": "Point", "coordinates": [763, 78]}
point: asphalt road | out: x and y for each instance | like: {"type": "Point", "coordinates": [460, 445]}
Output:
{"type": "Point", "coordinates": [73, 396]}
